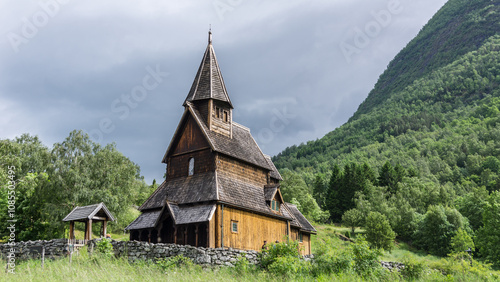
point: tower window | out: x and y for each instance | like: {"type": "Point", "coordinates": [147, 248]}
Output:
{"type": "Point", "coordinates": [191, 166]}
{"type": "Point", "coordinates": [226, 116]}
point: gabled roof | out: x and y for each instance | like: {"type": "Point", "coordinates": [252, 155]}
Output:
{"type": "Point", "coordinates": [208, 83]}
{"type": "Point", "coordinates": [88, 212]}
{"type": "Point", "coordinates": [191, 214]}
{"type": "Point", "coordinates": [241, 146]}
{"type": "Point", "coordinates": [300, 221]}
{"type": "Point", "coordinates": [181, 214]}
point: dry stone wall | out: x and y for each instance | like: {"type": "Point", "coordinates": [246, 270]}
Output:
{"type": "Point", "coordinates": [134, 250]}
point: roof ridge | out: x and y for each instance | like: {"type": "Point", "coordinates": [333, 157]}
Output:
{"type": "Point", "coordinates": [241, 126]}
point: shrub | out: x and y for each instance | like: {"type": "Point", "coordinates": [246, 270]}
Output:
{"type": "Point", "coordinates": [105, 247]}
{"type": "Point", "coordinates": [277, 250]}
{"type": "Point", "coordinates": [288, 266]}
{"type": "Point", "coordinates": [365, 259]}
{"type": "Point", "coordinates": [327, 261]}
{"type": "Point", "coordinates": [175, 262]}
{"type": "Point", "coordinates": [413, 269]}
{"type": "Point", "coordinates": [462, 242]}
{"type": "Point", "coordinates": [379, 232]}
{"type": "Point", "coordinates": [242, 266]}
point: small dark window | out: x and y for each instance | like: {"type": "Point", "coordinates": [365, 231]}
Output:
{"type": "Point", "coordinates": [217, 112]}
{"type": "Point", "coordinates": [300, 237]}
{"type": "Point", "coordinates": [225, 116]}
{"type": "Point", "coordinates": [234, 226]}
{"type": "Point", "coordinates": [275, 205]}
{"type": "Point", "coordinates": [191, 166]}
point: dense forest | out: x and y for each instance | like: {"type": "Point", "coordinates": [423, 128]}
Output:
{"type": "Point", "coordinates": [423, 149]}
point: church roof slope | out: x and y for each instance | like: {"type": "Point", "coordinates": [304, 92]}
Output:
{"type": "Point", "coordinates": [304, 224]}
{"type": "Point", "coordinates": [241, 146]}
{"type": "Point", "coordinates": [192, 189]}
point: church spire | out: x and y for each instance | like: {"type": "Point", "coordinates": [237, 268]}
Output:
{"type": "Point", "coordinates": [208, 83]}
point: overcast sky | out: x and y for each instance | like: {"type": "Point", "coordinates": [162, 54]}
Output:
{"type": "Point", "coordinates": [120, 70]}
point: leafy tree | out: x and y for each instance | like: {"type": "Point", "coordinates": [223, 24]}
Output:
{"type": "Point", "coordinates": [379, 232]}
{"type": "Point", "coordinates": [461, 242]}
{"type": "Point", "coordinates": [353, 218]}
{"type": "Point", "coordinates": [437, 227]}
{"type": "Point", "coordinates": [488, 236]}
{"type": "Point", "coordinates": [472, 206]}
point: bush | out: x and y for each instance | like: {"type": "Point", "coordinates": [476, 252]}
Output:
{"type": "Point", "coordinates": [413, 269]}
{"type": "Point", "coordinates": [288, 266]}
{"type": "Point", "coordinates": [175, 262]}
{"type": "Point", "coordinates": [105, 247]}
{"type": "Point", "coordinates": [379, 232]}
{"type": "Point", "coordinates": [326, 262]}
{"type": "Point", "coordinates": [365, 259]}
{"type": "Point", "coordinates": [277, 250]}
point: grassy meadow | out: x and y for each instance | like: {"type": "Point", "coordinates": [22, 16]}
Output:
{"type": "Point", "coordinates": [98, 267]}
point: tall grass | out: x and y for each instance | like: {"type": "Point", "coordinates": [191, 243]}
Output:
{"type": "Point", "coordinates": [84, 267]}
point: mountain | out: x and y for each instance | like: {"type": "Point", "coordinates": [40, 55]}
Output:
{"type": "Point", "coordinates": [434, 110]}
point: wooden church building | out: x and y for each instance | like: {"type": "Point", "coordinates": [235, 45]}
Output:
{"type": "Point", "coordinates": [220, 189]}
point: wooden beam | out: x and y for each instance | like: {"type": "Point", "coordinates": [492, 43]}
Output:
{"type": "Point", "coordinates": [104, 228]}
{"type": "Point", "coordinates": [90, 229]}
{"type": "Point", "coordinates": [71, 230]}
{"type": "Point", "coordinates": [99, 218]}
{"type": "Point", "coordinates": [196, 237]}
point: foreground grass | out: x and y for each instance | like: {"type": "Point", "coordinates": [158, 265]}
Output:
{"type": "Point", "coordinates": [101, 268]}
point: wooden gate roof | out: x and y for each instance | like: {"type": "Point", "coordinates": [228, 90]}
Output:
{"type": "Point", "coordinates": [89, 212]}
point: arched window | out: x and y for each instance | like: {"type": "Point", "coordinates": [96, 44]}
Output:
{"type": "Point", "coordinates": [191, 166]}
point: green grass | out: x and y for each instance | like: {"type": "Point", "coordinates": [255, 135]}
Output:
{"type": "Point", "coordinates": [98, 268]}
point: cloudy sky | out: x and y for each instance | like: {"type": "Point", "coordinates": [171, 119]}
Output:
{"type": "Point", "coordinates": [120, 70]}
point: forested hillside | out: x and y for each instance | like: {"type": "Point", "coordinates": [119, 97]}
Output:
{"type": "Point", "coordinates": [423, 149]}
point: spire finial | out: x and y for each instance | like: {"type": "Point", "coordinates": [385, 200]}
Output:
{"type": "Point", "coordinates": [210, 35]}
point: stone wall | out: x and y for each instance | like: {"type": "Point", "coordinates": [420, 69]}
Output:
{"type": "Point", "coordinates": [33, 249]}
{"type": "Point", "coordinates": [134, 250]}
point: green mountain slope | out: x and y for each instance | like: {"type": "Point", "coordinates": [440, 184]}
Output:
{"type": "Point", "coordinates": [435, 110]}
{"type": "Point", "coordinates": [459, 27]}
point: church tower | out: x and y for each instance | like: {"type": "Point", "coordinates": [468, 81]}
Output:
{"type": "Point", "coordinates": [220, 190]}
{"type": "Point", "coordinates": [209, 94]}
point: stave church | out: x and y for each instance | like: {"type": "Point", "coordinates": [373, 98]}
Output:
{"type": "Point", "coordinates": [220, 189]}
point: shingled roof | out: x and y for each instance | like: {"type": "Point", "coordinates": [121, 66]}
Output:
{"type": "Point", "coordinates": [300, 221]}
{"type": "Point", "coordinates": [208, 83]}
{"type": "Point", "coordinates": [147, 219]}
{"type": "Point", "coordinates": [274, 171]}
{"type": "Point", "coordinates": [88, 212]}
{"type": "Point", "coordinates": [193, 189]}
{"type": "Point", "coordinates": [191, 214]}
{"type": "Point", "coordinates": [241, 146]}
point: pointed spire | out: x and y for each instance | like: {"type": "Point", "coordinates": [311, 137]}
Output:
{"type": "Point", "coordinates": [210, 35]}
{"type": "Point", "coordinates": [208, 83]}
